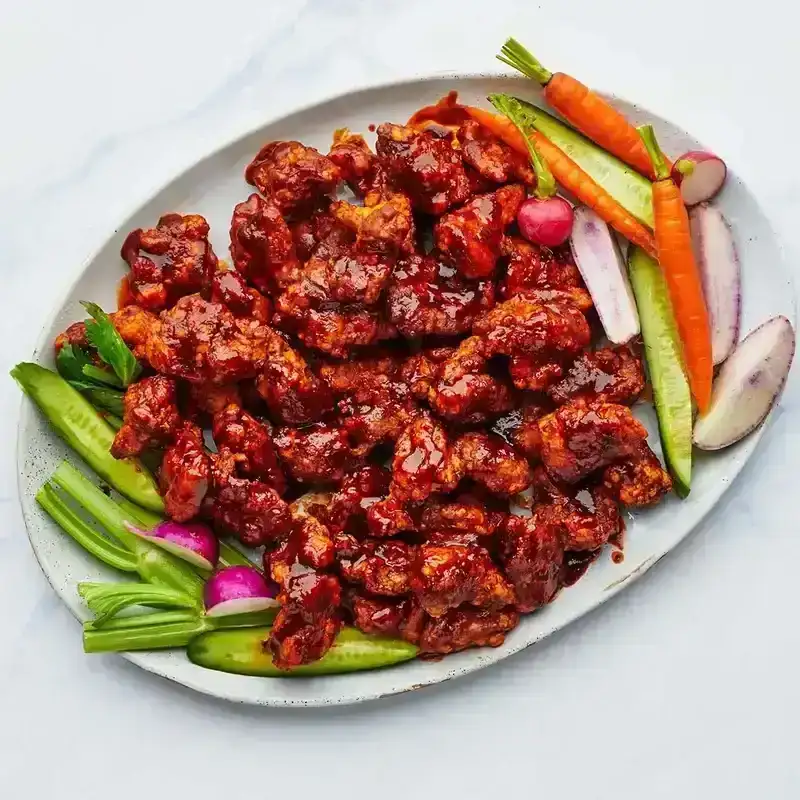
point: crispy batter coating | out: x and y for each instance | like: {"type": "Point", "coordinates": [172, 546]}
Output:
{"type": "Point", "coordinates": [293, 393]}
{"type": "Point", "coordinates": [445, 576]}
{"type": "Point", "coordinates": [347, 377]}
{"type": "Point", "coordinates": [638, 480]}
{"type": "Point", "coordinates": [204, 343]}
{"type": "Point", "coordinates": [186, 260]}
{"type": "Point", "coordinates": [492, 158]}
{"type": "Point", "coordinates": [611, 374]}
{"type": "Point", "coordinates": [388, 517]}
{"type": "Point", "coordinates": [229, 288]}
{"type": "Point", "coordinates": [150, 419]}
{"type": "Point", "coordinates": [532, 552]}
{"type": "Point", "coordinates": [251, 442]}
{"type": "Point", "coordinates": [317, 453]}
{"type": "Point", "coordinates": [320, 231]}
{"type": "Point", "coordinates": [426, 298]}
{"type": "Point", "coordinates": [532, 266]}
{"type": "Point", "coordinates": [465, 515]}
{"type": "Point", "coordinates": [403, 619]}
{"type": "Point", "coordinates": [488, 460]}
{"type": "Point", "coordinates": [381, 566]}
{"type": "Point", "coordinates": [358, 491]}
{"type": "Point", "coordinates": [420, 371]}
{"type": "Point", "coordinates": [206, 399]}
{"type": "Point", "coordinates": [250, 510]}
{"type": "Point", "coordinates": [386, 226]}
{"type": "Point", "coordinates": [470, 237]}
{"type": "Point", "coordinates": [580, 437]}
{"type": "Point", "coordinates": [359, 166]}
{"type": "Point", "coordinates": [295, 177]}
{"type": "Point", "coordinates": [520, 428]}
{"type": "Point", "coordinates": [463, 627]}
{"type": "Point", "coordinates": [135, 325]}
{"type": "Point", "coordinates": [308, 544]}
{"type": "Point", "coordinates": [424, 166]}
{"type": "Point", "coordinates": [185, 474]}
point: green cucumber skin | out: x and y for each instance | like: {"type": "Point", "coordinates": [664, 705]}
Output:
{"type": "Point", "coordinates": [631, 190]}
{"type": "Point", "coordinates": [79, 425]}
{"type": "Point", "coordinates": [671, 393]}
{"type": "Point", "coordinates": [243, 652]}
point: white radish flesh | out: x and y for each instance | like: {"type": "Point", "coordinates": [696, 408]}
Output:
{"type": "Point", "coordinates": [720, 273]}
{"type": "Point", "coordinates": [603, 269]}
{"type": "Point", "coordinates": [700, 176]}
{"type": "Point", "coordinates": [747, 386]}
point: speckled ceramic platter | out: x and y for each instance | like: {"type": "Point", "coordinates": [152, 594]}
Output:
{"type": "Point", "coordinates": [212, 187]}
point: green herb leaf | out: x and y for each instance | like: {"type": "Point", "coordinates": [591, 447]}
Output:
{"type": "Point", "coordinates": [110, 346]}
{"type": "Point", "coordinates": [70, 362]}
{"type": "Point", "coordinates": [105, 398]}
{"type": "Point", "coordinates": [102, 376]}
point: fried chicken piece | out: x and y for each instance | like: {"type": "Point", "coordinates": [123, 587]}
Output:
{"type": "Point", "coordinates": [150, 419]}
{"type": "Point", "coordinates": [308, 545]}
{"type": "Point", "coordinates": [358, 491]}
{"type": "Point", "coordinates": [464, 390]}
{"type": "Point", "coordinates": [419, 372]}
{"type": "Point", "coordinates": [528, 326]}
{"type": "Point", "coordinates": [470, 237]}
{"type": "Point", "coordinates": [388, 517]}
{"type": "Point", "coordinates": [464, 515]}
{"type": "Point", "coordinates": [262, 247]}
{"type": "Point", "coordinates": [520, 428]}
{"type": "Point", "coordinates": [488, 460]}
{"type": "Point", "coordinates": [206, 399]}
{"type": "Point", "coordinates": [638, 480]}
{"type": "Point", "coordinates": [318, 453]}
{"type": "Point", "coordinates": [532, 553]}
{"type": "Point", "coordinates": [295, 177]}
{"type": "Point", "coordinates": [293, 393]}
{"type": "Point", "coordinates": [347, 377]}
{"type": "Point", "coordinates": [359, 166]}
{"type": "Point", "coordinates": [534, 373]}
{"type": "Point", "coordinates": [426, 298]}
{"type": "Point", "coordinates": [186, 260]}
{"type": "Point", "coordinates": [380, 616]}
{"type": "Point", "coordinates": [445, 576]}
{"type": "Point", "coordinates": [382, 566]}
{"type": "Point", "coordinates": [386, 226]}
{"type": "Point", "coordinates": [462, 628]}
{"type": "Point", "coordinates": [588, 518]}
{"type": "Point", "coordinates": [74, 335]}
{"type": "Point", "coordinates": [320, 231]}
{"type": "Point", "coordinates": [250, 510]}
{"type": "Point", "coordinates": [231, 290]}
{"type": "Point", "coordinates": [532, 266]}
{"type": "Point", "coordinates": [426, 167]}
{"type": "Point", "coordinates": [308, 621]}
{"type": "Point", "coordinates": [611, 375]}
{"type": "Point", "coordinates": [204, 343]}
{"type": "Point", "coordinates": [185, 474]}
{"type": "Point", "coordinates": [580, 437]}
{"type": "Point", "coordinates": [492, 158]}
{"type": "Point", "coordinates": [251, 442]}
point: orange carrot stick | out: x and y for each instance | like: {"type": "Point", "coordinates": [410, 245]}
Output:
{"type": "Point", "coordinates": [676, 257]}
{"type": "Point", "coordinates": [584, 109]}
{"type": "Point", "coordinates": [566, 172]}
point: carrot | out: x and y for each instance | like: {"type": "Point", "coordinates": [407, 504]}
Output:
{"type": "Point", "coordinates": [565, 170]}
{"type": "Point", "coordinates": [583, 108]}
{"type": "Point", "coordinates": [676, 257]}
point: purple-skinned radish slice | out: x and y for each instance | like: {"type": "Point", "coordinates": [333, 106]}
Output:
{"type": "Point", "coordinates": [191, 541]}
{"type": "Point", "coordinates": [595, 250]}
{"type": "Point", "coordinates": [238, 590]}
{"type": "Point", "coordinates": [720, 273]}
{"type": "Point", "coordinates": [747, 386]}
{"type": "Point", "coordinates": [547, 221]}
{"type": "Point", "coordinates": [700, 176]}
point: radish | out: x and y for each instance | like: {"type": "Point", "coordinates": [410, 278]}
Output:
{"type": "Point", "coordinates": [545, 221]}
{"type": "Point", "coordinates": [190, 541]}
{"type": "Point", "coordinates": [720, 273]}
{"type": "Point", "coordinates": [700, 176]}
{"type": "Point", "coordinates": [238, 590]}
{"type": "Point", "coordinates": [600, 262]}
{"type": "Point", "coordinates": [747, 386]}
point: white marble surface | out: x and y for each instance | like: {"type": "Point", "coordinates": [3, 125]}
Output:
{"type": "Point", "coordinates": [685, 685]}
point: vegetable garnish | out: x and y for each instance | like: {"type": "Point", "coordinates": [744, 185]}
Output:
{"type": "Point", "coordinates": [586, 110]}
{"type": "Point", "coordinates": [748, 385]}
{"type": "Point", "coordinates": [676, 257]}
{"type": "Point", "coordinates": [243, 653]}
{"type": "Point", "coordinates": [75, 366]}
{"type": "Point", "coordinates": [238, 589]}
{"type": "Point", "coordinates": [108, 599]}
{"type": "Point", "coordinates": [110, 346]}
{"type": "Point", "coordinates": [78, 423]}
{"type": "Point", "coordinates": [671, 395]}
{"type": "Point", "coordinates": [720, 274]}
{"type": "Point", "coordinates": [700, 176]}
{"type": "Point", "coordinates": [571, 176]}
{"type": "Point", "coordinates": [604, 272]}
{"type": "Point", "coordinates": [192, 542]}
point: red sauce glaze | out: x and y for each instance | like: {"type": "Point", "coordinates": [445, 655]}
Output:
{"type": "Point", "coordinates": [124, 294]}
{"type": "Point", "coordinates": [575, 565]}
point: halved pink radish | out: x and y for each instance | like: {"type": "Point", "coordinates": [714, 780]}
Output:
{"type": "Point", "coordinates": [190, 541]}
{"type": "Point", "coordinates": [546, 221]}
{"type": "Point", "coordinates": [720, 272]}
{"type": "Point", "coordinates": [700, 176]}
{"type": "Point", "coordinates": [747, 386]}
{"type": "Point", "coordinates": [238, 590]}
{"type": "Point", "coordinates": [600, 262]}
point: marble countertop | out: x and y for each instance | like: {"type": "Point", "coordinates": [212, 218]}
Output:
{"type": "Point", "coordinates": [683, 686]}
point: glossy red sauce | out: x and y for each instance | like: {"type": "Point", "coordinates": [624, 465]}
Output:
{"type": "Point", "coordinates": [576, 562]}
